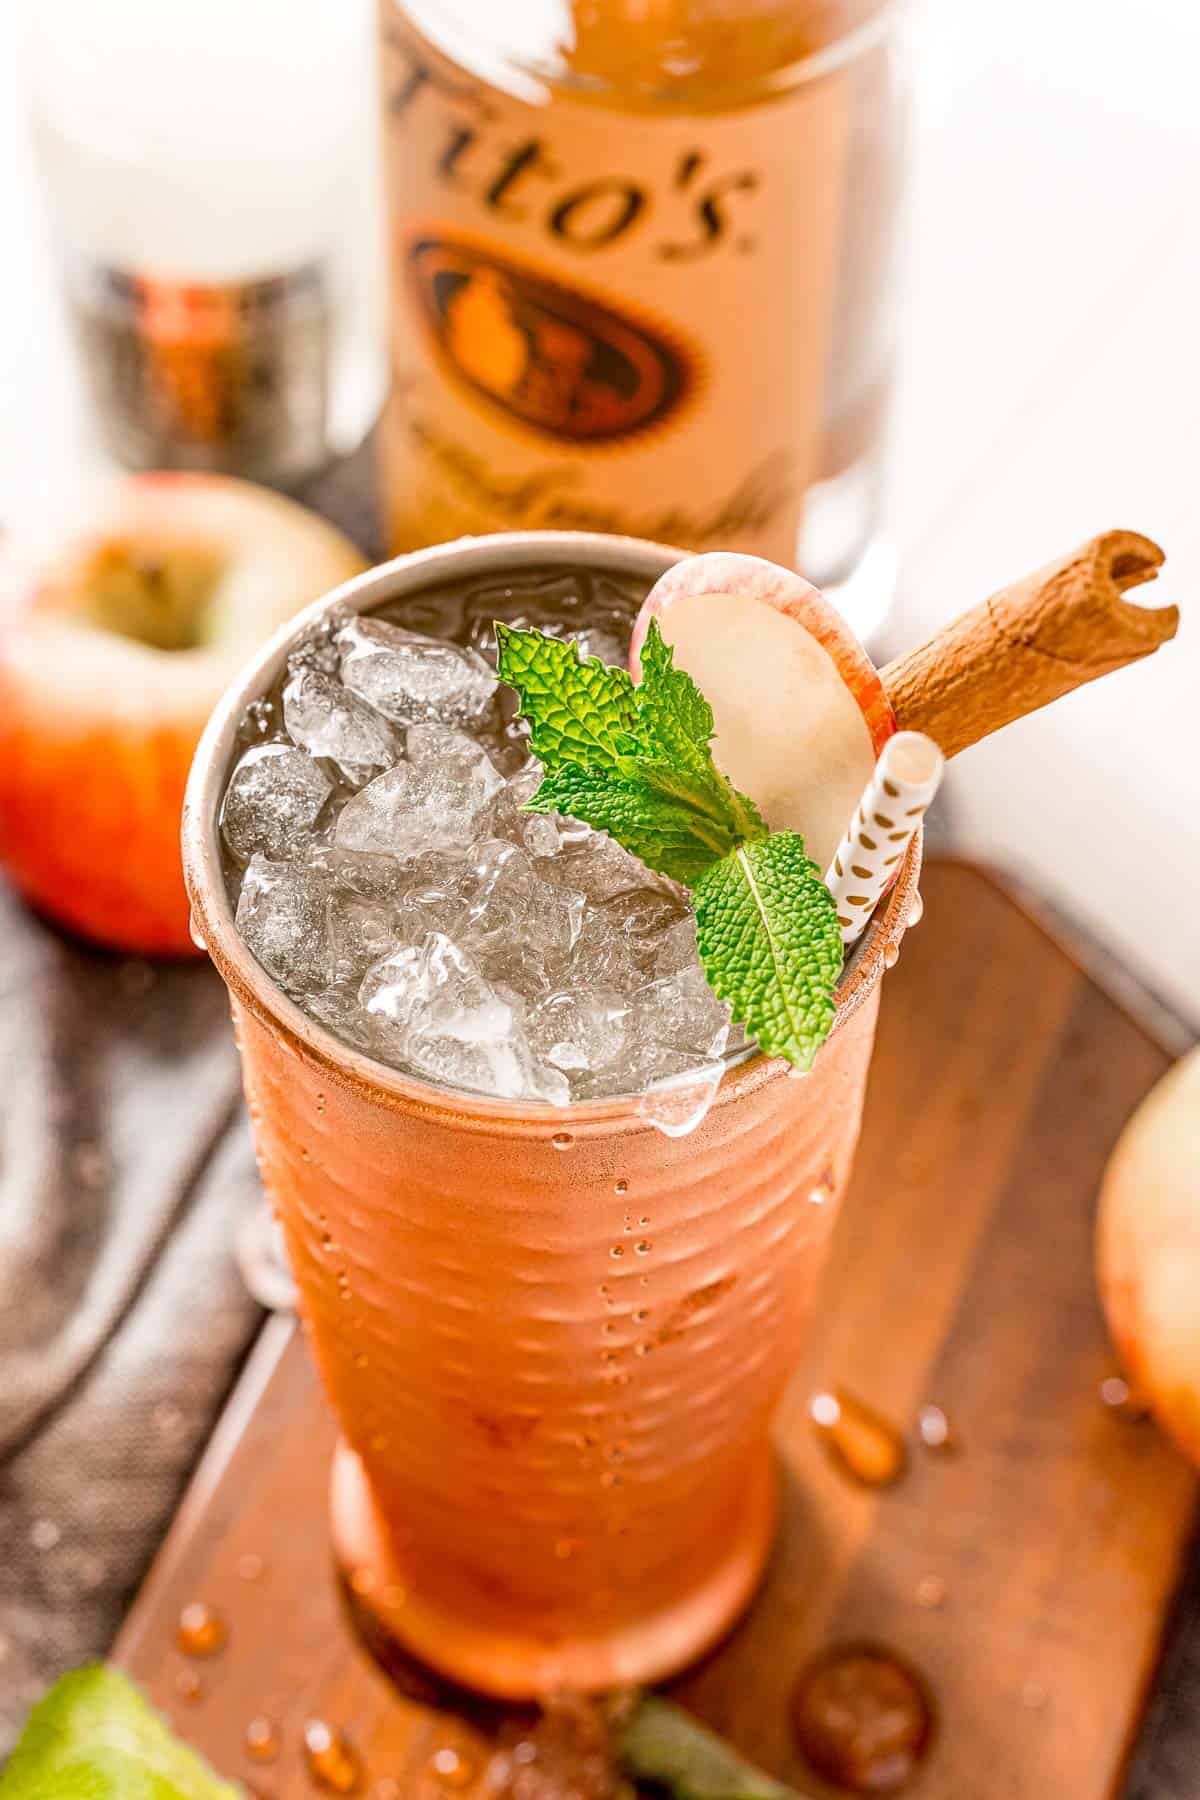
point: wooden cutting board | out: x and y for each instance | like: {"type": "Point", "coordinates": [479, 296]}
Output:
{"type": "Point", "coordinates": [1027, 1574]}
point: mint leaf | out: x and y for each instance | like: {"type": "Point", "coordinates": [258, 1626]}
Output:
{"type": "Point", "coordinates": [675, 728]}
{"type": "Point", "coordinates": [631, 760]}
{"type": "Point", "coordinates": [665, 833]}
{"type": "Point", "coordinates": [664, 1745]}
{"type": "Point", "coordinates": [578, 711]}
{"type": "Point", "coordinates": [767, 931]}
{"type": "Point", "coordinates": [94, 1737]}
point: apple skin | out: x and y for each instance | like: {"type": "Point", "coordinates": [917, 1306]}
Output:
{"type": "Point", "coordinates": [1148, 1252]}
{"type": "Point", "coordinates": [739, 689]}
{"type": "Point", "coordinates": [98, 729]}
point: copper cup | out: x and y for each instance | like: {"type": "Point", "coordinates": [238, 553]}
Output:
{"type": "Point", "coordinates": [553, 1338]}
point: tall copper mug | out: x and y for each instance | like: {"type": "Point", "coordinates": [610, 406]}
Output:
{"type": "Point", "coordinates": [553, 1338]}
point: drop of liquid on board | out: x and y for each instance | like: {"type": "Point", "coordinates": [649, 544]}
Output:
{"type": "Point", "coordinates": [1119, 1398]}
{"type": "Point", "coordinates": [935, 1430]}
{"type": "Point", "coordinates": [916, 911]}
{"type": "Point", "coordinates": [862, 1719]}
{"type": "Point", "coordinates": [561, 1140]}
{"type": "Point", "coordinates": [891, 955]}
{"type": "Point", "coordinates": [201, 1630]}
{"type": "Point", "coordinates": [451, 1767]}
{"type": "Point", "coordinates": [195, 933]}
{"type": "Point", "coordinates": [331, 1759]}
{"type": "Point", "coordinates": [261, 1740]}
{"type": "Point", "coordinates": [189, 1686]}
{"type": "Point", "coordinates": [622, 1187]}
{"type": "Point", "coordinates": [931, 1592]}
{"type": "Point", "coordinates": [860, 1442]}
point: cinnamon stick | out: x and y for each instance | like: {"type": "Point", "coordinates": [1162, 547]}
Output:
{"type": "Point", "coordinates": [1060, 627]}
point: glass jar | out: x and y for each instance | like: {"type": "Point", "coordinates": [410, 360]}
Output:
{"type": "Point", "coordinates": [211, 174]}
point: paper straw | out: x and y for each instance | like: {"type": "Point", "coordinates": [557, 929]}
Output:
{"type": "Point", "coordinates": [885, 820]}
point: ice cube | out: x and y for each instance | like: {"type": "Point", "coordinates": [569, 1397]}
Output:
{"type": "Point", "coordinates": [644, 916]}
{"type": "Point", "coordinates": [435, 1013]}
{"type": "Point", "coordinates": [539, 834]}
{"type": "Point", "coordinates": [327, 721]}
{"type": "Point", "coordinates": [412, 678]}
{"type": "Point", "coordinates": [281, 916]}
{"type": "Point", "coordinates": [596, 640]}
{"type": "Point", "coordinates": [511, 904]}
{"type": "Point", "coordinates": [676, 948]}
{"type": "Point", "coordinates": [361, 932]}
{"type": "Point", "coordinates": [578, 1030]}
{"type": "Point", "coordinates": [602, 955]}
{"type": "Point", "coordinates": [680, 1012]}
{"type": "Point", "coordinates": [434, 988]}
{"type": "Point", "coordinates": [430, 804]}
{"type": "Point", "coordinates": [601, 868]}
{"type": "Point", "coordinates": [676, 1103]}
{"type": "Point", "coordinates": [272, 802]}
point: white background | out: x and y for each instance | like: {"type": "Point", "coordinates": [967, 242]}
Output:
{"type": "Point", "coordinates": [1051, 388]}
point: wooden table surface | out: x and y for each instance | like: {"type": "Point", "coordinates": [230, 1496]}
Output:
{"type": "Point", "coordinates": [1027, 1575]}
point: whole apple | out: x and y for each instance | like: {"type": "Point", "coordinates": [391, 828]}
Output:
{"type": "Point", "coordinates": [114, 646]}
{"type": "Point", "coordinates": [1148, 1251]}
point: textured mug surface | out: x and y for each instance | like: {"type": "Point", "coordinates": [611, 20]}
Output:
{"type": "Point", "coordinates": [553, 1338]}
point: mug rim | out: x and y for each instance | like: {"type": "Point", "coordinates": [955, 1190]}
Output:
{"type": "Point", "coordinates": [254, 990]}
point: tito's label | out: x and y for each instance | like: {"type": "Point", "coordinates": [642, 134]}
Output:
{"type": "Point", "coordinates": [605, 321]}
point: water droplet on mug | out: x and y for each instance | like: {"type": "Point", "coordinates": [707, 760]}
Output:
{"type": "Point", "coordinates": [189, 1686]}
{"type": "Point", "coordinates": [931, 1592]}
{"type": "Point", "coordinates": [1120, 1398]}
{"type": "Point", "coordinates": [617, 1250]}
{"type": "Point", "coordinates": [451, 1767]}
{"type": "Point", "coordinates": [332, 1760]}
{"type": "Point", "coordinates": [261, 1740]}
{"type": "Point", "coordinates": [935, 1430]}
{"type": "Point", "coordinates": [622, 1187]}
{"type": "Point", "coordinates": [642, 1248]}
{"type": "Point", "coordinates": [195, 933]}
{"type": "Point", "coordinates": [250, 1566]}
{"type": "Point", "coordinates": [916, 911]}
{"type": "Point", "coordinates": [201, 1630]}
{"type": "Point", "coordinates": [891, 955]}
{"type": "Point", "coordinates": [861, 1443]}
{"type": "Point", "coordinates": [561, 1140]}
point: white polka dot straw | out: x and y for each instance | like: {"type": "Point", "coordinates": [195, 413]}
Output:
{"type": "Point", "coordinates": [905, 780]}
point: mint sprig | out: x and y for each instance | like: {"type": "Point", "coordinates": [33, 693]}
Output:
{"type": "Point", "coordinates": [636, 761]}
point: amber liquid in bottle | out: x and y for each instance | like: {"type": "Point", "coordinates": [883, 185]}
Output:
{"type": "Point", "coordinates": [641, 268]}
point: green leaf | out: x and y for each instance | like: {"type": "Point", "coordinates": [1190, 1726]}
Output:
{"type": "Point", "coordinates": [94, 1737]}
{"type": "Point", "coordinates": [663, 1745]}
{"type": "Point", "coordinates": [675, 728]}
{"type": "Point", "coordinates": [578, 711]}
{"type": "Point", "coordinates": [767, 931]}
{"type": "Point", "coordinates": [666, 834]}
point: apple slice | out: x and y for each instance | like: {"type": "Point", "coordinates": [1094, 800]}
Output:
{"type": "Point", "coordinates": [115, 644]}
{"type": "Point", "coordinates": [800, 711]}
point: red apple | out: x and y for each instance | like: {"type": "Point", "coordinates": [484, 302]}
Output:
{"type": "Point", "coordinates": [800, 712]}
{"type": "Point", "coordinates": [1148, 1252]}
{"type": "Point", "coordinates": [114, 647]}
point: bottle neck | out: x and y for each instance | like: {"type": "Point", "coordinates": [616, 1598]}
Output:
{"type": "Point", "coordinates": [646, 52]}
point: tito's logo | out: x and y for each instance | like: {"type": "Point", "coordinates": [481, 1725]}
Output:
{"type": "Point", "coordinates": [548, 355]}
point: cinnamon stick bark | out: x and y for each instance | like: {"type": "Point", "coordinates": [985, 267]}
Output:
{"type": "Point", "coordinates": [1031, 643]}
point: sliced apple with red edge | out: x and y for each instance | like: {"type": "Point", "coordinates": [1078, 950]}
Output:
{"type": "Point", "coordinates": [800, 712]}
{"type": "Point", "coordinates": [117, 637]}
